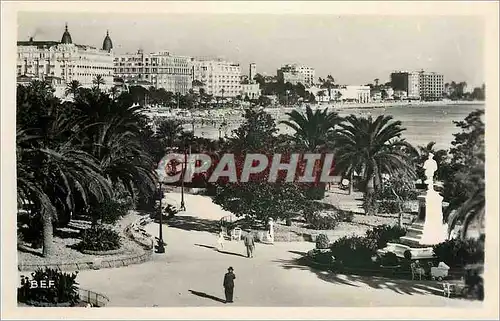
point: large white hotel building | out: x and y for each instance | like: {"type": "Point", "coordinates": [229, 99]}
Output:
{"type": "Point", "coordinates": [220, 78]}
{"type": "Point", "coordinates": [176, 74]}
{"type": "Point", "coordinates": [64, 61]}
{"type": "Point", "coordinates": [161, 69]}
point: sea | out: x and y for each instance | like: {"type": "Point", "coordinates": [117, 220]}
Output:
{"type": "Point", "coordinates": [423, 123]}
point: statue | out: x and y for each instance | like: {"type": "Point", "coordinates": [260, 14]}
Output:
{"type": "Point", "coordinates": [430, 167]}
{"type": "Point", "coordinates": [434, 231]}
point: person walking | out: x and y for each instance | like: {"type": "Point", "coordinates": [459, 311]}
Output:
{"type": "Point", "coordinates": [229, 284]}
{"type": "Point", "coordinates": [249, 243]}
{"type": "Point", "coordinates": [220, 241]}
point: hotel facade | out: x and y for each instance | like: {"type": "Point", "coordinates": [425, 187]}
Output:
{"type": "Point", "coordinates": [431, 85]}
{"type": "Point", "coordinates": [418, 84]}
{"type": "Point", "coordinates": [161, 69]}
{"type": "Point", "coordinates": [219, 77]}
{"type": "Point", "coordinates": [295, 74]}
{"type": "Point", "coordinates": [62, 62]}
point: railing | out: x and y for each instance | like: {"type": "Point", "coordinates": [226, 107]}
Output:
{"type": "Point", "coordinates": [93, 298]}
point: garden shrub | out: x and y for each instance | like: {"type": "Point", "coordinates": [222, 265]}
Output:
{"type": "Point", "coordinates": [315, 192]}
{"type": "Point", "coordinates": [345, 216]}
{"type": "Point", "coordinates": [324, 257]}
{"type": "Point", "coordinates": [30, 229]}
{"type": "Point", "coordinates": [390, 259]}
{"type": "Point", "coordinates": [322, 241]}
{"type": "Point", "coordinates": [323, 220]}
{"type": "Point", "coordinates": [64, 290]}
{"type": "Point", "coordinates": [312, 253]}
{"type": "Point", "coordinates": [109, 211]}
{"type": "Point", "coordinates": [458, 252]}
{"type": "Point", "coordinates": [100, 238]}
{"type": "Point", "coordinates": [355, 251]}
{"type": "Point", "coordinates": [388, 206]}
{"type": "Point", "coordinates": [384, 233]}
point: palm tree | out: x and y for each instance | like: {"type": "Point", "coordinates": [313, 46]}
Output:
{"type": "Point", "coordinates": [73, 88]}
{"type": "Point", "coordinates": [321, 94]}
{"type": "Point", "coordinates": [372, 147]}
{"type": "Point", "coordinates": [312, 128]}
{"type": "Point", "coordinates": [170, 130]}
{"type": "Point", "coordinates": [376, 80]}
{"type": "Point", "coordinates": [98, 80]}
{"type": "Point", "coordinates": [50, 174]}
{"type": "Point", "coordinates": [113, 137]}
{"type": "Point", "coordinates": [329, 84]}
{"type": "Point", "coordinates": [472, 209]}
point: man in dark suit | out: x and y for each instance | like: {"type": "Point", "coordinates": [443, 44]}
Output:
{"type": "Point", "coordinates": [249, 243]}
{"type": "Point", "coordinates": [229, 284]}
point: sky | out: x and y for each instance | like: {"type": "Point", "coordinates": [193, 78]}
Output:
{"type": "Point", "coordinates": [353, 49]}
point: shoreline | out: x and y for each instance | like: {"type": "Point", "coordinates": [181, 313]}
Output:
{"type": "Point", "coordinates": [373, 105]}
{"type": "Point", "coordinates": [215, 114]}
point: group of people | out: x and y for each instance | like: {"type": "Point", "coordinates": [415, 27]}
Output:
{"type": "Point", "coordinates": [248, 240]}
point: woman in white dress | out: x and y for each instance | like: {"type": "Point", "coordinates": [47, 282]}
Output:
{"type": "Point", "coordinates": [220, 241]}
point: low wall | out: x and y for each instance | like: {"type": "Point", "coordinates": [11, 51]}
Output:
{"type": "Point", "coordinates": [96, 264]}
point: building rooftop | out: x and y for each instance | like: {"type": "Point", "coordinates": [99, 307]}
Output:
{"type": "Point", "coordinates": [39, 44]}
{"type": "Point", "coordinates": [107, 44]}
{"type": "Point", "coordinates": [66, 37]}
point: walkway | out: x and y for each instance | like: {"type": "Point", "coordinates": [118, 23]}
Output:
{"type": "Point", "coordinates": [191, 272]}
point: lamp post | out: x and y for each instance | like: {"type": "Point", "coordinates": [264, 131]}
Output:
{"type": "Point", "coordinates": [161, 247]}
{"type": "Point", "coordinates": [183, 206]}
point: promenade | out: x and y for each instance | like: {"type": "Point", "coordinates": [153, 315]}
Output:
{"type": "Point", "coordinates": [190, 274]}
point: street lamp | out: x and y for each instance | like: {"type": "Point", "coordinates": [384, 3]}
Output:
{"type": "Point", "coordinates": [183, 206]}
{"type": "Point", "coordinates": [161, 245]}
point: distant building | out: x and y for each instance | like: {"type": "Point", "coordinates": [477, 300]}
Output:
{"type": "Point", "coordinates": [60, 62]}
{"type": "Point", "coordinates": [161, 69]}
{"type": "Point", "coordinates": [359, 94]}
{"type": "Point", "coordinates": [252, 72]}
{"type": "Point", "coordinates": [250, 90]}
{"type": "Point", "coordinates": [406, 81]}
{"type": "Point", "coordinates": [220, 78]}
{"type": "Point", "coordinates": [431, 85]}
{"type": "Point", "coordinates": [419, 85]}
{"type": "Point", "coordinates": [295, 74]}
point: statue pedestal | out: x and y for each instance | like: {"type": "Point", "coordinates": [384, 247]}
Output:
{"type": "Point", "coordinates": [434, 230]}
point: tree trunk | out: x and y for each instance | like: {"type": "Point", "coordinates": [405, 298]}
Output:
{"type": "Point", "coordinates": [369, 195]}
{"type": "Point", "coordinates": [400, 208]}
{"type": "Point", "coordinates": [351, 183]}
{"type": "Point", "coordinates": [48, 235]}
{"type": "Point", "coordinates": [288, 221]}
